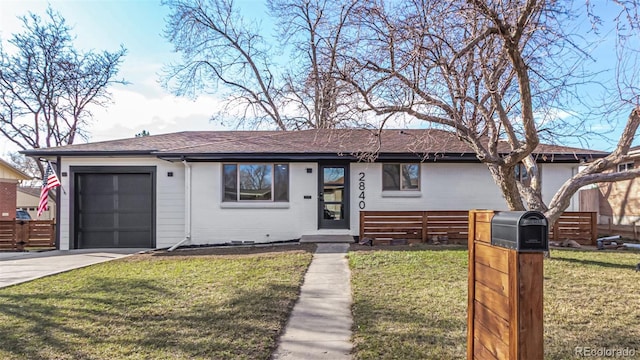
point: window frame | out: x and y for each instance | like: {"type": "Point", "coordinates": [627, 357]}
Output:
{"type": "Point", "coordinates": [238, 200]}
{"type": "Point", "coordinates": [626, 166]}
{"type": "Point", "coordinates": [401, 167]}
{"type": "Point", "coordinates": [521, 173]}
{"type": "Point", "coordinates": [523, 176]}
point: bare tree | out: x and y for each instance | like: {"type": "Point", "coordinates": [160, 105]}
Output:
{"type": "Point", "coordinates": [47, 87]}
{"type": "Point", "coordinates": [224, 53]}
{"type": "Point", "coordinates": [25, 164]}
{"type": "Point", "coordinates": [315, 30]}
{"type": "Point", "coordinates": [219, 48]}
{"type": "Point", "coordinates": [492, 72]}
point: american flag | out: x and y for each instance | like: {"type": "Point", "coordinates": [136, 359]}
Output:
{"type": "Point", "coordinates": [50, 182]}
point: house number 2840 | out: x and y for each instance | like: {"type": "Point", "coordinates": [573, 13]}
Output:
{"type": "Point", "coordinates": [361, 187]}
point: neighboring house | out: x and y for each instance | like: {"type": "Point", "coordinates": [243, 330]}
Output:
{"type": "Point", "coordinates": [29, 198]}
{"type": "Point", "coordinates": [263, 186]}
{"type": "Point", "coordinates": [9, 179]}
{"type": "Point", "coordinates": [619, 202]}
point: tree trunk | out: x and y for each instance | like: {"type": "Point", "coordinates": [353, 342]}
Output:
{"type": "Point", "coordinates": [505, 179]}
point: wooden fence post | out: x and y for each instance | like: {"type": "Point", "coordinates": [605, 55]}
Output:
{"type": "Point", "coordinates": [594, 228]}
{"type": "Point", "coordinates": [425, 227]}
{"type": "Point", "coordinates": [21, 234]}
{"type": "Point", "coordinates": [362, 217]}
{"type": "Point", "coordinates": [471, 296]}
{"type": "Point", "coordinates": [505, 297]}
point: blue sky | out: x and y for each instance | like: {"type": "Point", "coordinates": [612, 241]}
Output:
{"type": "Point", "coordinates": [138, 26]}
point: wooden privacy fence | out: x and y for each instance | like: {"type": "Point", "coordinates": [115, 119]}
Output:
{"type": "Point", "coordinates": [626, 231]}
{"type": "Point", "coordinates": [18, 234]}
{"type": "Point", "coordinates": [391, 227]}
{"type": "Point", "coordinates": [399, 227]}
{"type": "Point", "coordinates": [580, 226]}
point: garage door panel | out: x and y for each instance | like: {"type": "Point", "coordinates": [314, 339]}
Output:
{"type": "Point", "coordinates": [132, 220]}
{"type": "Point", "coordinates": [97, 183]}
{"type": "Point", "coordinates": [96, 239]}
{"type": "Point", "coordinates": [135, 238]}
{"type": "Point", "coordinates": [131, 183]}
{"type": "Point", "coordinates": [95, 220]}
{"type": "Point", "coordinates": [96, 202]}
{"type": "Point", "coordinates": [114, 210]}
{"type": "Point", "coordinates": [134, 202]}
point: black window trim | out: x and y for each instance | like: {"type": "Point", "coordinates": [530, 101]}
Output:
{"type": "Point", "coordinates": [400, 174]}
{"type": "Point", "coordinates": [273, 182]}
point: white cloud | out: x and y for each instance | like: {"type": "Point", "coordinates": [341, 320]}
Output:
{"type": "Point", "coordinates": [132, 112]}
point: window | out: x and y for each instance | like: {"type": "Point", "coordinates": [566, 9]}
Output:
{"type": "Point", "coordinates": [625, 167]}
{"type": "Point", "coordinates": [396, 177]}
{"type": "Point", "coordinates": [523, 176]}
{"type": "Point", "coordinates": [256, 182]}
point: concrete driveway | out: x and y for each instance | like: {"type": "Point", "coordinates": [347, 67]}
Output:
{"type": "Point", "coordinates": [16, 268]}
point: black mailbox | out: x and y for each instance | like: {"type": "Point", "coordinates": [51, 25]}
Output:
{"type": "Point", "coordinates": [520, 230]}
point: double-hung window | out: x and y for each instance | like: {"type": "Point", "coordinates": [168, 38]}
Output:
{"type": "Point", "coordinates": [400, 177]}
{"type": "Point", "coordinates": [256, 182]}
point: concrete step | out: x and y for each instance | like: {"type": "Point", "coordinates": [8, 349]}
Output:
{"type": "Point", "coordinates": [324, 239]}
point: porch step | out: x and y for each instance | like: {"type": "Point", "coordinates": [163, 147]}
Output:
{"type": "Point", "coordinates": [326, 239]}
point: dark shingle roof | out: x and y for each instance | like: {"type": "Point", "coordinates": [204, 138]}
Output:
{"type": "Point", "coordinates": [428, 143]}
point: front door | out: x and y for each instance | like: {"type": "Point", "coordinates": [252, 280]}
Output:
{"type": "Point", "coordinates": [333, 197]}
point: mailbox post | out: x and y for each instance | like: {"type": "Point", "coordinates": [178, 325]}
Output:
{"type": "Point", "coordinates": [506, 285]}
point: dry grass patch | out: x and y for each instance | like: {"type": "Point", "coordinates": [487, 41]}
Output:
{"type": "Point", "coordinates": [178, 306]}
{"type": "Point", "coordinates": [411, 304]}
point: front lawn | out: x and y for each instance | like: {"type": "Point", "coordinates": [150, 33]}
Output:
{"type": "Point", "coordinates": [411, 303]}
{"type": "Point", "coordinates": [230, 306]}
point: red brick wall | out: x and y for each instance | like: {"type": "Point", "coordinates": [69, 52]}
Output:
{"type": "Point", "coordinates": [8, 193]}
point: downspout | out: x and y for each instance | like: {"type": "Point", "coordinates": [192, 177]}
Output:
{"type": "Point", "coordinates": [187, 206]}
{"type": "Point", "coordinates": [58, 171]}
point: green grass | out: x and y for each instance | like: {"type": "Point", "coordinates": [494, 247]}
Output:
{"type": "Point", "coordinates": [592, 299]}
{"type": "Point", "coordinates": [155, 307]}
{"type": "Point", "coordinates": [411, 303]}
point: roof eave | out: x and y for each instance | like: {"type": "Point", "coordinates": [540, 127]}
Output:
{"type": "Point", "coordinates": [315, 157]}
{"type": "Point", "coordinates": [20, 175]}
{"type": "Point", "coordinates": [312, 156]}
{"type": "Point", "coordinates": [49, 153]}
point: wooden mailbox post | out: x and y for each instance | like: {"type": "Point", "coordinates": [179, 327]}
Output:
{"type": "Point", "coordinates": [505, 297]}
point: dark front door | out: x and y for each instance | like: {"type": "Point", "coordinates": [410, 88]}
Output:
{"type": "Point", "coordinates": [114, 210]}
{"type": "Point", "coordinates": [333, 197]}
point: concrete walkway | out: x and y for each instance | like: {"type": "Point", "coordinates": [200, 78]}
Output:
{"type": "Point", "coordinates": [16, 268]}
{"type": "Point", "coordinates": [320, 326]}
